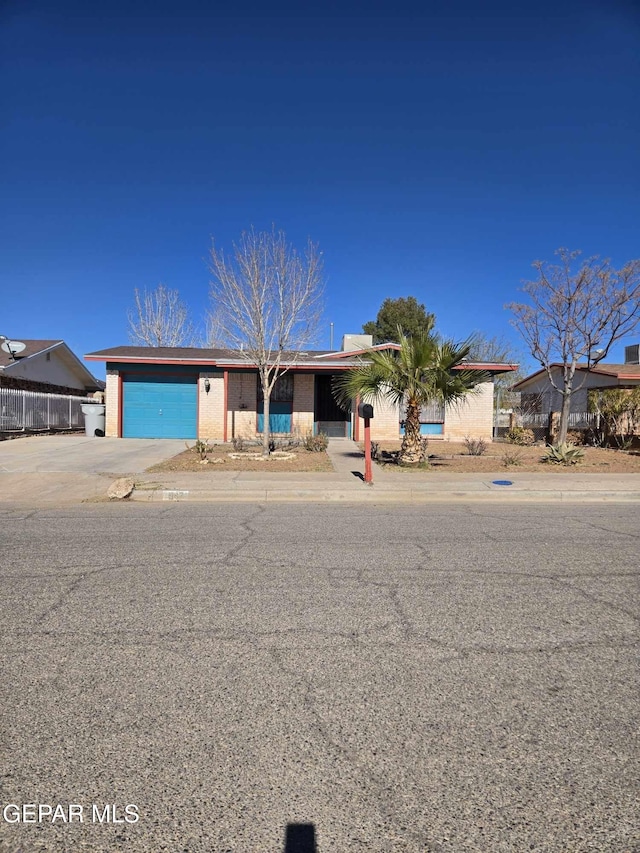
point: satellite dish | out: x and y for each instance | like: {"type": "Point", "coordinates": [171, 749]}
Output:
{"type": "Point", "coordinates": [13, 347]}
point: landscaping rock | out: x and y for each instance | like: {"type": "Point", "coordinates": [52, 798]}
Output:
{"type": "Point", "coordinates": [121, 488]}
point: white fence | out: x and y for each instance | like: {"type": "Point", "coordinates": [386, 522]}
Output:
{"type": "Point", "coordinates": [577, 420]}
{"type": "Point", "coordinates": [33, 410]}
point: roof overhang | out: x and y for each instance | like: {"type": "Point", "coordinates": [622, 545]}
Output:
{"type": "Point", "coordinates": [336, 361]}
{"type": "Point", "coordinates": [133, 359]}
{"type": "Point", "coordinates": [596, 370]}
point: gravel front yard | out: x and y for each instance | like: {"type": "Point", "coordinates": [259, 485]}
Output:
{"type": "Point", "coordinates": [223, 457]}
{"type": "Point", "coordinates": [453, 457]}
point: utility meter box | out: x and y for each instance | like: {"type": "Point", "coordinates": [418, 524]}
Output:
{"type": "Point", "coordinates": [365, 410]}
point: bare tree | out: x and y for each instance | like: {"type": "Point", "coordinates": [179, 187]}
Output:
{"type": "Point", "coordinates": [575, 317]}
{"type": "Point", "coordinates": [267, 299]}
{"type": "Point", "coordinates": [214, 333]}
{"type": "Point", "coordinates": [160, 319]}
{"type": "Point", "coordinates": [498, 350]}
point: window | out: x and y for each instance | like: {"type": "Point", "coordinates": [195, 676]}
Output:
{"type": "Point", "coordinates": [431, 419]}
{"type": "Point", "coordinates": [280, 405]}
{"type": "Point", "coordinates": [282, 390]}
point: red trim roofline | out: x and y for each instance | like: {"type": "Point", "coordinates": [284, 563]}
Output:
{"type": "Point", "coordinates": [138, 360]}
{"type": "Point", "coordinates": [315, 365]}
{"type": "Point", "coordinates": [300, 365]}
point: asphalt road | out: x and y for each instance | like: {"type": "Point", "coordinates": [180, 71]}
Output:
{"type": "Point", "coordinates": [458, 678]}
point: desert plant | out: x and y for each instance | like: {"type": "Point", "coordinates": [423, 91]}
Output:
{"type": "Point", "coordinates": [422, 458]}
{"type": "Point", "coordinates": [375, 450]}
{"type": "Point", "coordinates": [594, 437]}
{"type": "Point", "coordinates": [238, 443]}
{"type": "Point", "coordinates": [618, 411]}
{"type": "Point", "coordinates": [576, 437]}
{"type": "Point", "coordinates": [289, 442]}
{"type": "Point", "coordinates": [521, 436]}
{"type": "Point", "coordinates": [563, 454]}
{"type": "Point", "coordinates": [475, 446]}
{"type": "Point", "coordinates": [202, 448]}
{"type": "Point", "coordinates": [424, 369]}
{"type": "Point", "coordinates": [316, 443]}
{"type": "Point", "coordinates": [624, 442]}
{"type": "Point", "coordinates": [295, 438]}
{"type": "Point", "coordinates": [511, 458]}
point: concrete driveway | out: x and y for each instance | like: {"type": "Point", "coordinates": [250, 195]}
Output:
{"type": "Point", "coordinates": [77, 454]}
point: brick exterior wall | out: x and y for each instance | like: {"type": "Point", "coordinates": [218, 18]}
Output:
{"type": "Point", "coordinates": [242, 392]}
{"type": "Point", "coordinates": [211, 407]}
{"type": "Point", "coordinates": [385, 425]}
{"type": "Point", "coordinates": [473, 417]}
{"type": "Point", "coordinates": [112, 401]}
{"type": "Point", "coordinates": [303, 403]}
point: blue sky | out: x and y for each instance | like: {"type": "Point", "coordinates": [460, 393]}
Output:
{"type": "Point", "coordinates": [432, 149]}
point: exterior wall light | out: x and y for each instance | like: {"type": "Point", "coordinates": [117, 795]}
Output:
{"type": "Point", "coordinates": [207, 386]}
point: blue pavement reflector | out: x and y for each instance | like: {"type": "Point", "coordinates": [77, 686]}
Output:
{"type": "Point", "coordinates": [502, 482]}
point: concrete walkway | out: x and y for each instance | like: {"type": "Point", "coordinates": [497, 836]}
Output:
{"type": "Point", "coordinates": [344, 484]}
{"type": "Point", "coordinates": [346, 457]}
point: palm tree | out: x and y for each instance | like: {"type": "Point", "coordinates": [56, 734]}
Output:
{"type": "Point", "coordinates": [423, 370]}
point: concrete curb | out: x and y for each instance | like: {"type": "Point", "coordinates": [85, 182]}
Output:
{"type": "Point", "coordinates": [373, 496]}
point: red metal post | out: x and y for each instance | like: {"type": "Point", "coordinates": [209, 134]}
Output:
{"type": "Point", "coordinates": [368, 473]}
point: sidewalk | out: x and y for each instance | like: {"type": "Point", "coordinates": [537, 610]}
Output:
{"type": "Point", "coordinates": [346, 485]}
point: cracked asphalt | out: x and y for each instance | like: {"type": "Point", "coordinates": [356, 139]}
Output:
{"type": "Point", "coordinates": [446, 678]}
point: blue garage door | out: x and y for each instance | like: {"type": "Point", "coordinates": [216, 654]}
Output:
{"type": "Point", "coordinates": [159, 407]}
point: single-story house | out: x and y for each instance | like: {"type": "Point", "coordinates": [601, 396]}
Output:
{"type": "Point", "coordinates": [539, 397]}
{"type": "Point", "coordinates": [47, 366]}
{"type": "Point", "coordinates": [215, 394]}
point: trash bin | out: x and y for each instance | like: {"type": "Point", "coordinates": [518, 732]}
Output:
{"type": "Point", "coordinates": [94, 419]}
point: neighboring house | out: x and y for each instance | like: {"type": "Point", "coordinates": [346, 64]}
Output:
{"type": "Point", "coordinates": [539, 397]}
{"type": "Point", "coordinates": [49, 367]}
{"type": "Point", "coordinates": [186, 392]}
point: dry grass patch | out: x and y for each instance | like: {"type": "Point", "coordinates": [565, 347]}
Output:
{"type": "Point", "coordinates": [453, 458]}
{"type": "Point", "coordinates": [223, 457]}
